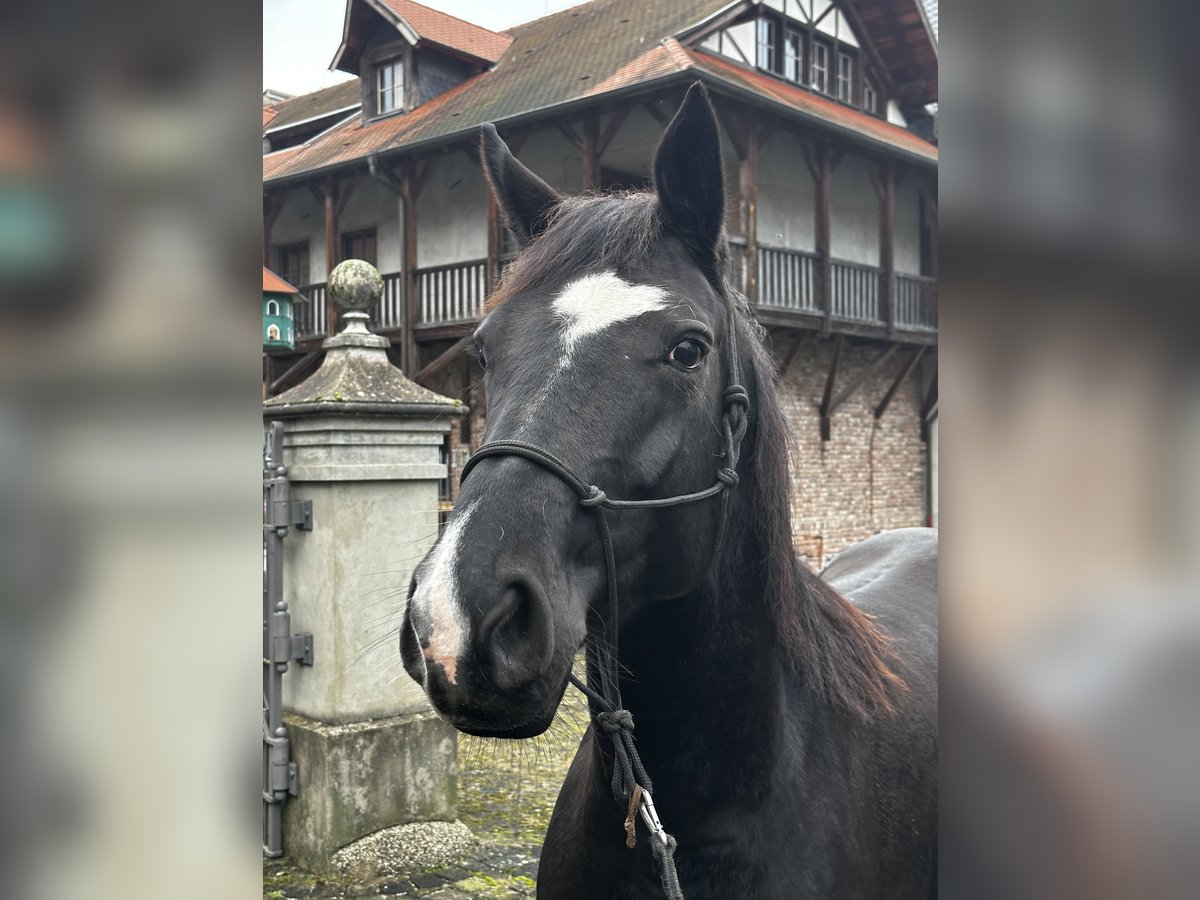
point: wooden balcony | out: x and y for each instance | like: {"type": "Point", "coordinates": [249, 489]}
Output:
{"type": "Point", "coordinates": [789, 289]}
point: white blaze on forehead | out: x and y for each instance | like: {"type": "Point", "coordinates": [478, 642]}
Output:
{"type": "Point", "coordinates": [438, 601]}
{"type": "Point", "coordinates": [590, 304]}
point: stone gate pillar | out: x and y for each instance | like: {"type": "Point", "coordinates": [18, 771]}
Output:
{"type": "Point", "coordinates": [364, 444]}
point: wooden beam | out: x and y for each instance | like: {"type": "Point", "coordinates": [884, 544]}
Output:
{"type": "Point", "coordinates": [344, 189]}
{"type": "Point", "coordinates": [823, 212]}
{"type": "Point", "coordinates": [655, 113]}
{"type": "Point", "coordinates": [410, 190]}
{"type": "Point", "coordinates": [887, 244]}
{"type": "Point", "coordinates": [492, 270]}
{"type": "Point", "coordinates": [798, 342]}
{"type": "Point", "coordinates": [900, 379]}
{"type": "Point", "coordinates": [329, 193]}
{"type": "Point", "coordinates": [748, 175]}
{"type": "Point", "coordinates": [422, 177]}
{"type": "Point", "coordinates": [827, 397]}
{"type": "Point", "coordinates": [444, 358]}
{"type": "Point", "coordinates": [570, 135]}
{"type": "Point", "coordinates": [610, 130]}
{"type": "Point", "coordinates": [294, 371]}
{"type": "Point", "coordinates": [862, 376]}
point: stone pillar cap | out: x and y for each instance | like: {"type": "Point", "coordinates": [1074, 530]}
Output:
{"type": "Point", "coordinates": [356, 376]}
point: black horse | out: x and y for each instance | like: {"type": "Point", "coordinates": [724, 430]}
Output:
{"type": "Point", "coordinates": [790, 733]}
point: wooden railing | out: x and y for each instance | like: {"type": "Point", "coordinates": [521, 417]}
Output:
{"type": "Point", "coordinates": [856, 291]}
{"type": "Point", "coordinates": [452, 293]}
{"type": "Point", "coordinates": [389, 315]}
{"type": "Point", "coordinates": [309, 318]}
{"type": "Point", "coordinates": [788, 279]}
{"type": "Point", "coordinates": [915, 297]}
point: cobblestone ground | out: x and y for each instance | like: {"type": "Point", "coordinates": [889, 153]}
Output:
{"type": "Point", "coordinates": [506, 792]}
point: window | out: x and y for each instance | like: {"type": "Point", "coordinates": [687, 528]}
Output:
{"type": "Point", "coordinates": [870, 97]}
{"type": "Point", "coordinates": [819, 80]}
{"type": "Point", "coordinates": [359, 245]}
{"type": "Point", "coordinates": [766, 44]}
{"type": "Point", "coordinates": [293, 263]}
{"type": "Point", "coordinates": [793, 56]}
{"type": "Point", "coordinates": [272, 332]}
{"type": "Point", "coordinates": [389, 87]}
{"type": "Point", "coordinates": [272, 307]}
{"type": "Point", "coordinates": [845, 77]}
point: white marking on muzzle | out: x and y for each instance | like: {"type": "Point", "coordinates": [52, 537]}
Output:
{"type": "Point", "coordinates": [590, 304]}
{"type": "Point", "coordinates": [439, 600]}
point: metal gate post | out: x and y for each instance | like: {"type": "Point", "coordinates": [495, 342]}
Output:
{"type": "Point", "coordinates": [280, 646]}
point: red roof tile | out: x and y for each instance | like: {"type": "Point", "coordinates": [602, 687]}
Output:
{"type": "Point", "coordinates": [273, 284]}
{"type": "Point", "coordinates": [456, 34]}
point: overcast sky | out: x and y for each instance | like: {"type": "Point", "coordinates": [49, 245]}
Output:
{"type": "Point", "coordinates": [301, 36]}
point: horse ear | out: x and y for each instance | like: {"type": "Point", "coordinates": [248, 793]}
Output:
{"type": "Point", "coordinates": [525, 199]}
{"type": "Point", "coordinates": [688, 176]}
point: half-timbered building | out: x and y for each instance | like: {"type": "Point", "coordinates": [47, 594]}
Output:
{"type": "Point", "coordinates": [831, 170]}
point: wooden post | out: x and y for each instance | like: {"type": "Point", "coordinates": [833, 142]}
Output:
{"type": "Point", "coordinates": [492, 270]}
{"type": "Point", "coordinates": [409, 193]}
{"type": "Point", "coordinates": [748, 176]}
{"type": "Point", "coordinates": [824, 213]}
{"type": "Point", "coordinates": [329, 191]}
{"type": "Point", "coordinates": [272, 206]}
{"type": "Point", "coordinates": [886, 243]}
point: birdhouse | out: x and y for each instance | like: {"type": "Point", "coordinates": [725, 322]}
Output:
{"type": "Point", "coordinates": [278, 298]}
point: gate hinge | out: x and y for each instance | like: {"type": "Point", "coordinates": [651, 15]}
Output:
{"type": "Point", "coordinates": [298, 647]}
{"type": "Point", "coordinates": [301, 515]}
{"type": "Point", "coordinates": [293, 785]}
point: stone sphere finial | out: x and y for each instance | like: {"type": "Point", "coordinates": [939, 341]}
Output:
{"type": "Point", "coordinates": [355, 286]}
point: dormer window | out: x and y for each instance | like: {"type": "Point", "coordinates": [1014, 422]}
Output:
{"type": "Point", "coordinates": [793, 56]}
{"type": "Point", "coordinates": [845, 78]}
{"type": "Point", "coordinates": [389, 87]}
{"type": "Point", "coordinates": [819, 80]}
{"type": "Point", "coordinates": [766, 45]}
{"type": "Point", "coordinates": [870, 97]}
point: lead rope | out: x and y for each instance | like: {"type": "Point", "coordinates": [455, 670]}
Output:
{"type": "Point", "coordinates": [631, 784]}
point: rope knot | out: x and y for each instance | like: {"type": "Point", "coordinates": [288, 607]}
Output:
{"type": "Point", "coordinates": [736, 396]}
{"type": "Point", "coordinates": [727, 476]}
{"type": "Point", "coordinates": [595, 497]}
{"type": "Point", "coordinates": [616, 721]}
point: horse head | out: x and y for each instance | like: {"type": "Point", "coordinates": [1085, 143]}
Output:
{"type": "Point", "coordinates": [608, 346]}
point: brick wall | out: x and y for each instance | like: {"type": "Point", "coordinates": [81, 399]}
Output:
{"type": "Point", "coordinates": [869, 476]}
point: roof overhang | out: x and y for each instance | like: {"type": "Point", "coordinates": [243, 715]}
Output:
{"type": "Point", "coordinates": [670, 79]}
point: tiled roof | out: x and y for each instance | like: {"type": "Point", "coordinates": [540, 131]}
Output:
{"type": "Point", "coordinates": [808, 103]}
{"type": "Point", "coordinates": [318, 103]}
{"type": "Point", "coordinates": [268, 115]}
{"type": "Point", "coordinates": [570, 56]}
{"type": "Point", "coordinates": [273, 284]}
{"type": "Point", "coordinates": [456, 34]}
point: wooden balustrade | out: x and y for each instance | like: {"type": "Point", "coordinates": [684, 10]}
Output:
{"type": "Point", "coordinates": [788, 281]}
{"type": "Point", "coordinates": [452, 293]}
{"type": "Point", "coordinates": [916, 302]}
{"type": "Point", "coordinates": [856, 291]}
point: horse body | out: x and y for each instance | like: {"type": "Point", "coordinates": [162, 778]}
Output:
{"type": "Point", "coordinates": [770, 792]}
{"type": "Point", "coordinates": [790, 733]}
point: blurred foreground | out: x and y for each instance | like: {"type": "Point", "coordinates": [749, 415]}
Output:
{"type": "Point", "coordinates": [130, 431]}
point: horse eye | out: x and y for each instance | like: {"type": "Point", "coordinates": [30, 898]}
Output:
{"type": "Point", "coordinates": [687, 353]}
{"type": "Point", "coordinates": [477, 352]}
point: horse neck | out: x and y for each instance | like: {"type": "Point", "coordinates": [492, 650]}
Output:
{"type": "Point", "coordinates": [703, 678]}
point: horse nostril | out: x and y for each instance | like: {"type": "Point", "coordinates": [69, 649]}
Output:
{"type": "Point", "coordinates": [516, 637]}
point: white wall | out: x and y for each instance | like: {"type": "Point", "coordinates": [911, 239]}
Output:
{"type": "Point", "coordinates": [303, 219]}
{"type": "Point", "coordinates": [854, 225]}
{"type": "Point", "coordinates": [786, 195]}
{"type": "Point", "coordinates": [452, 213]}
{"type": "Point", "coordinates": [906, 229]}
{"type": "Point", "coordinates": [548, 153]}
{"type": "Point", "coordinates": [371, 205]}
